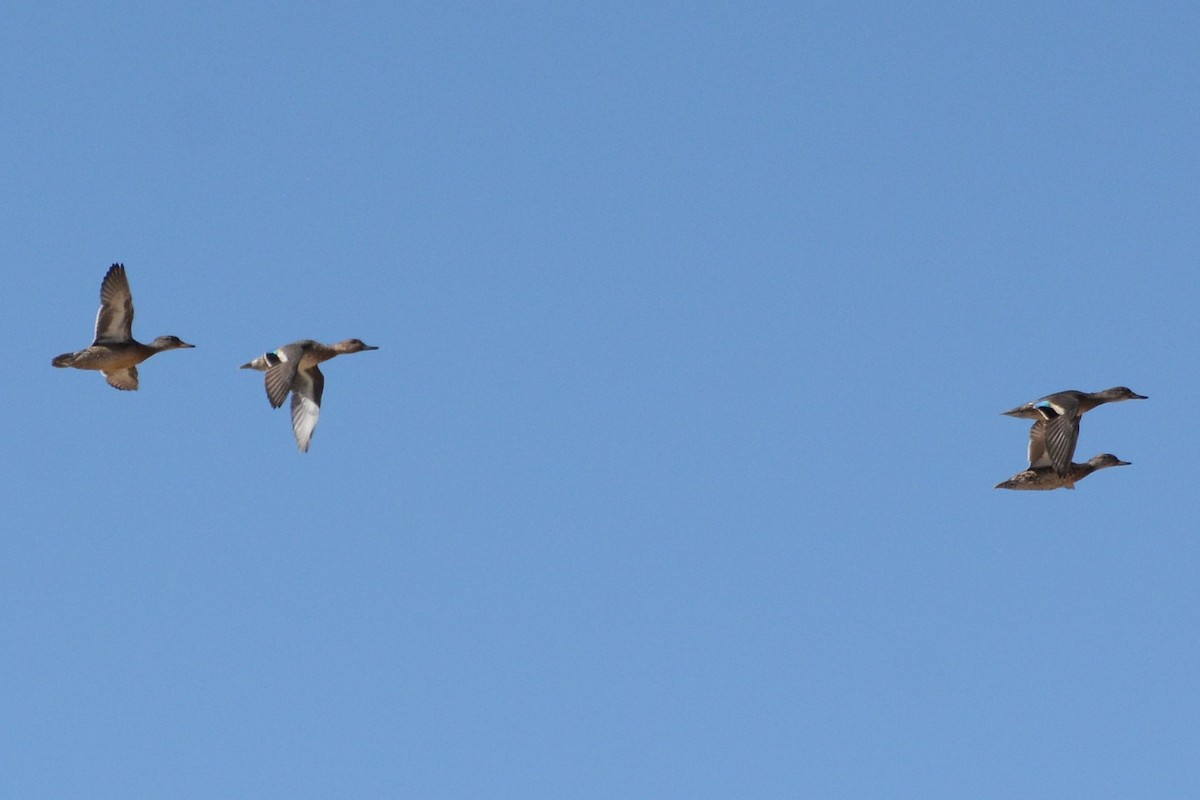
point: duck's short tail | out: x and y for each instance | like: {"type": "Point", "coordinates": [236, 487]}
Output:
{"type": "Point", "coordinates": [262, 363]}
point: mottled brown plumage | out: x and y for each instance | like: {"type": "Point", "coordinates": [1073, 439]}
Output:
{"type": "Point", "coordinates": [114, 352]}
{"type": "Point", "coordinates": [1045, 478]}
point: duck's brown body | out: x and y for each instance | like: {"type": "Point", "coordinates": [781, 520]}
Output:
{"type": "Point", "coordinates": [1045, 478]}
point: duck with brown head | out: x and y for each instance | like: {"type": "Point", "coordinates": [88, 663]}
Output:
{"type": "Point", "coordinates": [1045, 478]}
{"type": "Point", "coordinates": [114, 352]}
{"type": "Point", "coordinates": [1055, 433]}
{"type": "Point", "coordinates": [293, 368]}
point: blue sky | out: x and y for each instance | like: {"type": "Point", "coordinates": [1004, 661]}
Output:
{"type": "Point", "coordinates": [672, 476]}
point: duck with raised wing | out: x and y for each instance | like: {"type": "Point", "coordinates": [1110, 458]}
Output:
{"type": "Point", "coordinates": [1045, 478]}
{"type": "Point", "coordinates": [114, 352]}
{"type": "Point", "coordinates": [1053, 437]}
{"type": "Point", "coordinates": [293, 368]}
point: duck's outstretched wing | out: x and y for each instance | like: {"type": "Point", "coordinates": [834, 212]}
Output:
{"type": "Point", "coordinates": [114, 320]}
{"type": "Point", "coordinates": [124, 379]}
{"type": "Point", "coordinates": [307, 389]}
{"type": "Point", "coordinates": [1052, 442]}
{"type": "Point", "coordinates": [1062, 434]}
{"type": "Point", "coordinates": [282, 372]}
{"type": "Point", "coordinates": [1037, 445]}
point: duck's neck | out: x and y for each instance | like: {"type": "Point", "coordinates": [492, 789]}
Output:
{"type": "Point", "coordinates": [1091, 400]}
{"type": "Point", "coordinates": [323, 353]}
{"type": "Point", "coordinates": [1081, 471]}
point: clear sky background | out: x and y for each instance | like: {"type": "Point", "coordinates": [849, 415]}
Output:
{"type": "Point", "coordinates": [672, 476]}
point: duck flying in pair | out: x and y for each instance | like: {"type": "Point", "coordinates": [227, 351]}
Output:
{"type": "Point", "coordinates": [1055, 432]}
{"type": "Point", "coordinates": [293, 368]}
{"type": "Point", "coordinates": [1045, 478]}
{"type": "Point", "coordinates": [114, 352]}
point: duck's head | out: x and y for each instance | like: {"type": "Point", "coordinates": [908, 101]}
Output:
{"type": "Point", "coordinates": [169, 343]}
{"type": "Point", "coordinates": [353, 346]}
{"type": "Point", "coordinates": [1119, 393]}
{"type": "Point", "coordinates": [1106, 460]}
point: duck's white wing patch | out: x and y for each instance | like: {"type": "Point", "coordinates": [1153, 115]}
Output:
{"type": "Point", "coordinates": [304, 420]}
{"type": "Point", "coordinates": [1064, 404]}
{"type": "Point", "coordinates": [307, 389]}
{"type": "Point", "coordinates": [125, 379]}
{"type": "Point", "coordinates": [114, 320]}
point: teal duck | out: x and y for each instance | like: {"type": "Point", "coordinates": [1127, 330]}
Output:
{"type": "Point", "coordinates": [1045, 478]}
{"type": "Point", "coordinates": [114, 352]}
{"type": "Point", "coordinates": [293, 368]}
{"type": "Point", "coordinates": [1055, 433]}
